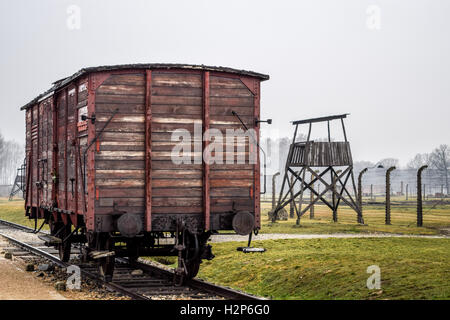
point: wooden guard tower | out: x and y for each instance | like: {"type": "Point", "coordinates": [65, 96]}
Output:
{"type": "Point", "coordinates": [325, 158]}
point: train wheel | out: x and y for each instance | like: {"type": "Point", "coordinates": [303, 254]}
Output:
{"type": "Point", "coordinates": [58, 229]}
{"type": "Point", "coordinates": [192, 257]}
{"type": "Point", "coordinates": [105, 265]}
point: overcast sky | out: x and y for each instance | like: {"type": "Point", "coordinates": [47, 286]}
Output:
{"type": "Point", "coordinates": [387, 63]}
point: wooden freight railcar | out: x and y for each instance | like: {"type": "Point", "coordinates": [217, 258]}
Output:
{"type": "Point", "coordinates": [100, 169]}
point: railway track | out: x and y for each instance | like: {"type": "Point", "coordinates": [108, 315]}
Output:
{"type": "Point", "coordinates": [150, 283]}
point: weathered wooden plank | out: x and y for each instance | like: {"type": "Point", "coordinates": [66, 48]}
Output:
{"type": "Point", "coordinates": [170, 165]}
{"type": "Point", "coordinates": [191, 192]}
{"type": "Point", "coordinates": [119, 127]}
{"type": "Point", "coordinates": [122, 202]}
{"type": "Point", "coordinates": [177, 174]}
{"type": "Point", "coordinates": [124, 183]}
{"type": "Point", "coordinates": [120, 118]}
{"type": "Point", "coordinates": [116, 89]}
{"type": "Point", "coordinates": [226, 110]}
{"type": "Point", "coordinates": [121, 146]}
{"type": "Point", "coordinates": [230, 92]}
{"type": "Point", "coordinates": [125, 174]}
{"type": "Point", "coordinates": [171, 183]}
{"type": "Point", "coordinates": [177, 91]}
{"type": "Point", "coordinates": [177, 119]}
{"type": "Point", "coordinates": [224, 82]}
{"type": "Point", "coordinates": [119, 164]}
{"type": "Point", "coordinates": [166, 100]}
{"type": "Point", "coordinates": [119, 155]}
{"type": "Point", "coordinates": [119, 98]}
{"type": "Point", "coordinates": [112, 136]}
{"type": "Point", "coordinates": [126, 79]}
{"type": "Point", "coordinates": [240, 101]}
{"type": "Point", "coordinates": [123, 108]}
{"type": "Point", "coordinates": [177, 110]}
{"type": "Point", "coordinates": [232, 174]}
{"type": "Point", "coordinates": [217, 183]}
{"type": "Point", "coordinates": [176, 202]}
{"type": "Point", "coordinates": [121, 192]}
{"type": "Point", "coordinates": [176, 80]}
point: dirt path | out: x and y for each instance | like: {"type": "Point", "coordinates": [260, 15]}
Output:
{"type": "Point", "coordinates": [275, 236]}
{"type": "Point", "coordinates": [17, 284]}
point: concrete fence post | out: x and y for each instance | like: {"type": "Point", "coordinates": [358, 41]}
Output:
{"type": "Point", "coordinates": [388, 195]}
{"type": "Point", "coordinates": [419, 196]}
{"type": "Point", "coordinates": [359, 218]}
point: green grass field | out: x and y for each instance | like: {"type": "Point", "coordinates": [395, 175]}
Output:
{"type": "Point", "coordinates": [411, 268]}
{"type": "Point", "coordinates": [14, 211]}
{"type": "Point", "coordinates": [335, 268]}
{"type": "Point", "coordinates": [403, 220]}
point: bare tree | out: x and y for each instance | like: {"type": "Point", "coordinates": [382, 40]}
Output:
{"type": "Point", "coordinates": [11, 157]}
{"type": "Point", "coordinates": [419, 160]}
{"type": "Point", "coordinates": [389, 162]}
{"type": "Point", "coordinates": [440, 160]}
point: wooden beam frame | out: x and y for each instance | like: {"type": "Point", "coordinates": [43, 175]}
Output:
{"type": "Point", "coordinates": [148, 151]}
{"type": "Point", "coordinates": [206, 182]}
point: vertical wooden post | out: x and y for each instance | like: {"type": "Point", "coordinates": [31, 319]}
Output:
{"type": "Point", "coordinates": [274, 189]}
{"type": "Point", "coordinates": [206, 198]}
{"type": "Point", "coordinates": [291, 204]}
{"type": "Point", "coordinates": [371, 191]}
{"type": "Point", "coordinates": [388, 195]}
{"type": "Point", "coordinates": [311, 196]}
{"type": "Point", "coordinates": [148, 151]}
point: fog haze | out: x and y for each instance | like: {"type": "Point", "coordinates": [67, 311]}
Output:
{"type": "Point", "coordinates": [322, 56]}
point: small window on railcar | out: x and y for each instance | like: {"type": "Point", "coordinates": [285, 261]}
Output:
{"type": "Point", "coordinates": [82, 125]}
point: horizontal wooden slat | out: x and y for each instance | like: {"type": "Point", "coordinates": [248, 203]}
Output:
{"type": "Point", "coordinates": [120, 89]}
{"type": "Point", "coordinates": [122, 98]}
{"type": "Point", "coordinates": [176, 202]}
{"type": "Point", "coordinates": [176, 109]}
{"type": "Point", "coordinates": [176, 80]}
{"type": "Point", "coordinates": [230, 183]}
{"type": "Point", "coordinates": [125, 183]}
{"type": "Point", "coordinates": [230, 92]}
{"type": "Point", "coordinates": [192, 192]}
{"type": "Point", "coordinates": [123, 108]}
{"type": "Point", "coordinates": [119, 155]}
{"type": "Point", "coordinates": [243, 101]}
{"type": "Point", "coordinates": [128, 174]}
{"type": "Point", "coordinates": [223, 82]}
{"type": "Point", "coordinates": [121, 192]}
{"type": "Point", "coordinates": [165, 100]}
{"type": "Point", "coordinates": [176, 91]}
{"type": "Point", "coordinates": [177, 174]}
{"type": "Point", "coordinates": [125, 79]}
{"type": "Point", "coordinates": [122, 202]}
{"type": "Point", "coordinates": [171, 183]}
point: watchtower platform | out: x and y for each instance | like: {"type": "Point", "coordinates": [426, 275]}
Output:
{"type": "Point", "coordinates": [319, 158]}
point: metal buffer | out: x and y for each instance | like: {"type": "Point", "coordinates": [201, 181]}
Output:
{"type": "Point", "coordinates": [328, 157]}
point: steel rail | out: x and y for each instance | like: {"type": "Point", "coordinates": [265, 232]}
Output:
{"type": "Point", "coordinates": [57, 261]}
{"type": "Point", "coordinates": [196, 284]}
